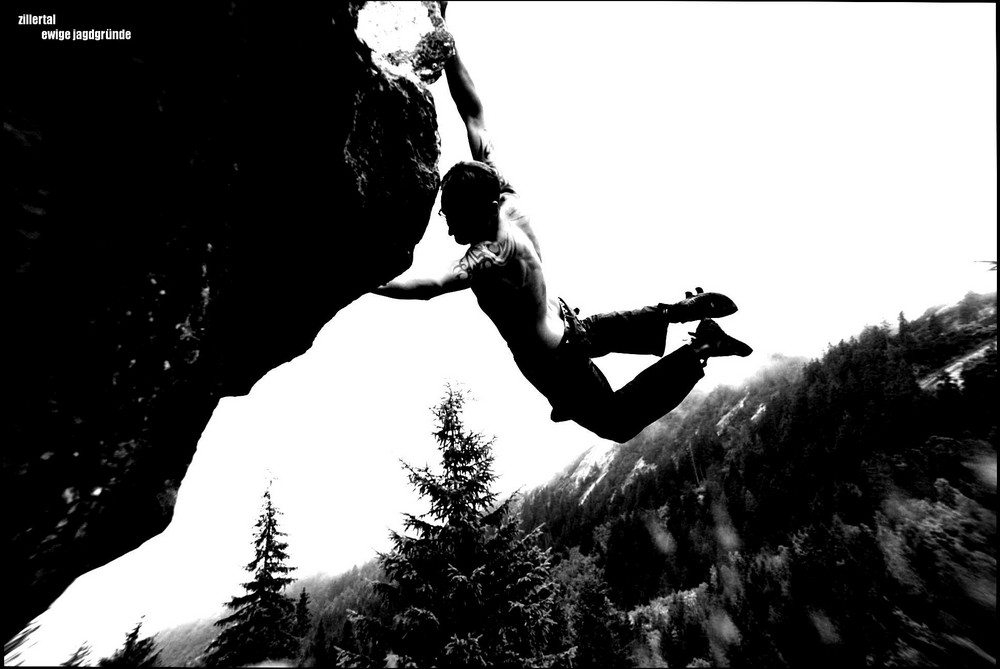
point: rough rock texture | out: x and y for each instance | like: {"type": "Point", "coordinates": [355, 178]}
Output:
{"type": "Point", "coordinates": [186, 210]}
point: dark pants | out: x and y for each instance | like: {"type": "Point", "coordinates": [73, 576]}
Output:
{"type": "Point", "coordinates": [579, 391]}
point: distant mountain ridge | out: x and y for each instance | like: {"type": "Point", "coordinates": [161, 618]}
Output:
{"type": "Point", "coordinates": [183, 645]}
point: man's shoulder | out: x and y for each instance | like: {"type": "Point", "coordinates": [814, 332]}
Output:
{"type": "Point", "coordinates": [512, 205]}
{"type": "Point", "coordinates": [495, 251]}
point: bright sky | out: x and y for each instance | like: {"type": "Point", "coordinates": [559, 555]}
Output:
{"type": "Point", "coordinates": [825, 165]}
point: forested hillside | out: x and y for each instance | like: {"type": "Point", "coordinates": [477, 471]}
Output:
{"type": "Point", "coordinates": [833, 512]}
{"type": "Point", "coordinates": [829, 512]}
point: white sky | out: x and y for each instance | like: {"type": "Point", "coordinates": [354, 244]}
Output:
{"type": "Point", "coordinates": [825, 165]}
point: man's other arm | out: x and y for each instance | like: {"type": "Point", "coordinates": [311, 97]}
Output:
{"type": "Point", "coordinates": [420, 288]}
{"type": "Point", "coordinates": [458, 277]}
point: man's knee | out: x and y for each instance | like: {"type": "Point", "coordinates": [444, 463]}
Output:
{"type": "Point", "coordinates": [620, 434]}
{"type": "Point", "coordinates": [610, 428]}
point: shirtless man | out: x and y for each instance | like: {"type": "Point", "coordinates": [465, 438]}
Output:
{"type": "Point", "coordinates": [551, 345]}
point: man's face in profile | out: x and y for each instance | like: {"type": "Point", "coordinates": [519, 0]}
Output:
{"type": "Point", "coordinates": [466, 223]}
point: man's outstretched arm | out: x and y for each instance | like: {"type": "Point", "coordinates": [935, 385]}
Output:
{"type": "Point", "coordinates": [457, 278]}
{"type": "Point", "coordinates": [417, 288]}
{"type": "Point", "coordinates": [470, 107]}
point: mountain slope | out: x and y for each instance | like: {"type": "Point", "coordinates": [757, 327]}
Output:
{"type": "Point", "coordinates": [804, 511]}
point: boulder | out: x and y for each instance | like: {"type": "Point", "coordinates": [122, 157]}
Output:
{"type": "Point", "coordinates": [189, 207]}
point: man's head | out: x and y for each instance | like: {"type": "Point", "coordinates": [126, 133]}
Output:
{"type": "Point", "coordinates": [470, 191]}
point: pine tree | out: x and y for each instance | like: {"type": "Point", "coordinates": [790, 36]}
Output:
{"type": "Point", "coordinates": [262, 626]}
{"type": "Point", "coordinates": [467, 588]}
{"type": "Point", "coordinates": [319, 648]}
{"type": "Point", "coordinates": [135, 653]}
{"type": "Point", "coordinates": [904, 334]}
{"type": "Point", "coordinates": [302, 617]}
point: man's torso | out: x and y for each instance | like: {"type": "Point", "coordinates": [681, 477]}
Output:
{"type": "Point", "coordinates": [512, 289]}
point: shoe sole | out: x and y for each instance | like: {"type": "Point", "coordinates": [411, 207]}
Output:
{"type": "Point", "coordinates": [706, 305]}
{"type": "Point", "coordinates": [725, 344]}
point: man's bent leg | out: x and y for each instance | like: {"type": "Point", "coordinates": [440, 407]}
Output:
{"type": "Point", "coordinates": [571, 382]}
{"type": "Point", "coordinates": [578, 390]}
{"type": "Point", "coordinates": [652, 394]}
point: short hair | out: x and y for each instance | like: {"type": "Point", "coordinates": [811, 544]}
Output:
{"type": "Point", "coordinates": [468, 184]}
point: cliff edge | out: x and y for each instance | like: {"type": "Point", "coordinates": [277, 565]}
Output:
{"type": "Point", "coordinates": [188, 208]}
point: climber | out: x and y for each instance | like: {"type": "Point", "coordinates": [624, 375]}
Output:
{"type": "Point", "coordinates": [551, 345]}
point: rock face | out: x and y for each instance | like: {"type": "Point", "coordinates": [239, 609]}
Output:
{"type": "Point", "coordinates": [188, 207]}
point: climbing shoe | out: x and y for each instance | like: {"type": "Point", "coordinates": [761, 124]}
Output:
{"type": "Point", "coordinates": [698, 306]}
{"type": "Point", "coordinates": [716, 342]}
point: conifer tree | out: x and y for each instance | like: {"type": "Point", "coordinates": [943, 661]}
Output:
{"type": "Point", "coordinates": [302, 617]}
{"type": "Point", "coordinates": [262, 625]}
{"type": "Point", "coordinates": [465, 587]}
{"type": "Point", "coordinates": [135, 653]}
{"type": "Point", "coordinates": [319, 648]}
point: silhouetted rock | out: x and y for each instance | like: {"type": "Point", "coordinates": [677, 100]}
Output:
{"type": "Point", "coordinates": [188, 207]}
